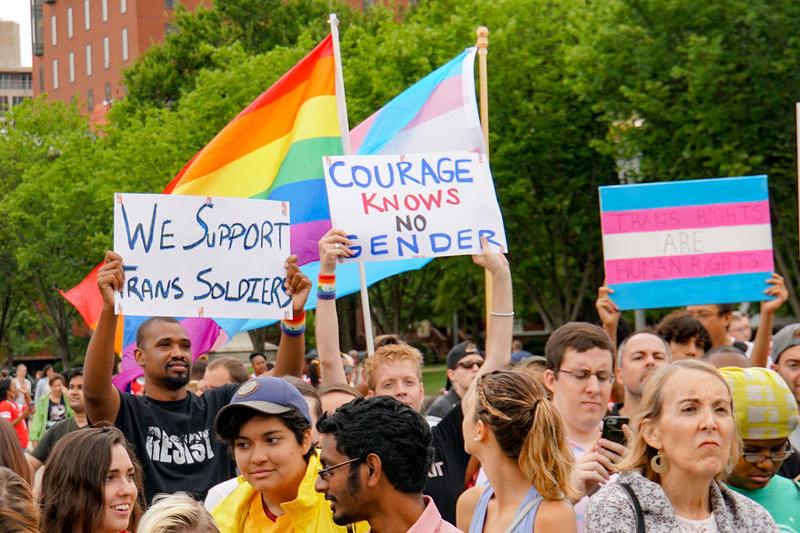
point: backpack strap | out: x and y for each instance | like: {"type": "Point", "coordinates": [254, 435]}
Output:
{"type": "Point", "coordinates": [636, 507]}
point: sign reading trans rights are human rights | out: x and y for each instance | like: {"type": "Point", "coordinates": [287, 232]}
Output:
{"type": "Point", "coordinates": [191, 256]}
{"type": "Point", "coordinates": [687, 242]}
{"type": "Point", "coordinates": [414, 205]}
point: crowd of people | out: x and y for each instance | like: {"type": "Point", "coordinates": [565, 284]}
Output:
{"type": "Point", "coordinates": [688, 426]}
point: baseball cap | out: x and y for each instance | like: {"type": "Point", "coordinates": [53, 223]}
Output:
{"type": "Point", "coordinates": [264, 395]}
{"type": "Point", "coordinates": [763, 405]}
{"type": "Point", "coordinates": [460, 351]}
{"type": "Point", "coordinates": [787, 337]}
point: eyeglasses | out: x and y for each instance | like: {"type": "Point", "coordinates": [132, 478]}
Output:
{"type": "Point", "coordinates": [775, 457]}
{"type": "Point", "coordinates": [325, 473]}
{"type": "Point", "coordinates": [468, 365]}
{"type": "Point", "coordinates": [583, 375]}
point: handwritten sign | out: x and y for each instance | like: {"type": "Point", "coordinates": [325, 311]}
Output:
{"type": "Point", "coordinates": [200, 256]}
{"type": "Point", "coordinates": [414, 205]}
{"type": "Point", "coordinates": [687, 242]}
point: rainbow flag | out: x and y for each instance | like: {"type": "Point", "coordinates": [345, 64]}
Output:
{"type": "Point", "coordinates": [687, 242]}
{"type": "Point", "coordinates": [273, 149]}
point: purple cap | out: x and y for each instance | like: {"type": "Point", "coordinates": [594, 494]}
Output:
{"type": "Point", "coordinates": [265, 395]}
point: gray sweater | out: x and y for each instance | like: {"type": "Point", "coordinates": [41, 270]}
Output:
{"type": "Point", "coordinates": [611, 510]}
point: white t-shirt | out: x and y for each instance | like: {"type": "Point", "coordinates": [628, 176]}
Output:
{"type": "Point", "coordinates": [706, 525]}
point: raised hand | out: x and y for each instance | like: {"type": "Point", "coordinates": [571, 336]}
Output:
{"type": "Point", "coordinates": [110, 278]}
{"type": "Point", "coordinates": [297, 285]}
{"type": "Point", "coordinates": [333, 246]}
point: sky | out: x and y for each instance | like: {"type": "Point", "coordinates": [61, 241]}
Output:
{"type": "Point", "coordinates": [20, 12]}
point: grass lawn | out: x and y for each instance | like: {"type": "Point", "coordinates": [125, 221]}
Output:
{"type": "Point", "coordinates": [434, 377]}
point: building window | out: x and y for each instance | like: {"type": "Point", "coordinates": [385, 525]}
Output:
{"type": "Point", "coordinates": [90, 100]}
{"type": "Point", "coordinates": [55, 74]}
{"type": "Point", "coordinates": [38, 28]}
{"type": "Point", "coordinates": [53, 35]}
{"type": "Point", "coordinates": [16, 100]}
{"type": "Point", "coordinates": [69, 23]}
{"type": "Point", "coordinates": [169, 4]}
{"type": "Point", "coordinates": [87, 15]}
{"type": "Point", "coordinates": [108, 92]}
{"type": "Point", "coordinates": [88, 59]}
{"type": "Point", "coordinates": [124, 44]}
{"type": "Point", "coordinates": [41, 78]}
{"type": "Point", "coordinates": [106, 56]}
{"type": "Point", "coordinates": [104, 4]}
{"type": "Point", "coordinates": [71, 67]}
{"type": "Point", "coordinates": [123, 6]}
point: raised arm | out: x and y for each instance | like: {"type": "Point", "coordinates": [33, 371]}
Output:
{"type": "Point", "coordinates": [332, 246]}
{"type": "Point", "coordinates": [761, 344]}
{"type": "Point", "coordinates": [608, 312]}
{"type": "Point", "coordinates": [292, 345]}
{"type": "Point", "coordinates": [501, 315]}
{"type": "Point", "coordinates": [102, 399]}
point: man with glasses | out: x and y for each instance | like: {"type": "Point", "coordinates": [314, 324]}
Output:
{"type": "Point", "coordinates": [766, 413]}
{"type": "Point", "coordinates": [463, 362]}
{"type": "Point", "coordinates": [579, 374]}
{"type": "Point", "coordinates": [377, 453]}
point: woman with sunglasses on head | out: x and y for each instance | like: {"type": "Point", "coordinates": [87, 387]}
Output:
{"type": "Point", "coordinates": [518, 437]}
{"type": "Point", "coordinates": [92, 484]}
{"type": "Point", "coordinates": [268, 427]}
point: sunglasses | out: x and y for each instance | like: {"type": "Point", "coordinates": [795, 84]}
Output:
{"type": "Point", "coordinates": [468, 365]}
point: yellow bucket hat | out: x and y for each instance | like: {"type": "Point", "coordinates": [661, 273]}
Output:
{"type": "Point", "coordinates": [763, 405]}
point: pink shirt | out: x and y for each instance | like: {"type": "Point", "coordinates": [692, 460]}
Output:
{"type": "Point", "coordinates": [430, 521]}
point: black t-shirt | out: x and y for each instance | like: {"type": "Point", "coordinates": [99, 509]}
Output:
{"type": "Point", "coordinates": [445, 481]}
{"type": "Point", "coordinates": [174, 441]}
{"type": "Point", "coordinates": [52, 436]}
{"type": "Point", "coordinates": [56, 412]}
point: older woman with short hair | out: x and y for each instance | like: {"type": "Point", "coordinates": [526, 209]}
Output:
{"type": "Point", "coordinates": [685, 441]}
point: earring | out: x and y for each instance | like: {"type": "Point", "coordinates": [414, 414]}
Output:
{"type": "Point", "coordinates": [658, 463]}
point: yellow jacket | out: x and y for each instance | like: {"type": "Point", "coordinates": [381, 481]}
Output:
{"type": "Point", "coordinates": [307, 513]}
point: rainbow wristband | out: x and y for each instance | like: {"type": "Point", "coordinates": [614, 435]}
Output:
{"type": "Point", "coordinates": [296, 326]}
{"type": "Point", "coordinates": [326, 287]}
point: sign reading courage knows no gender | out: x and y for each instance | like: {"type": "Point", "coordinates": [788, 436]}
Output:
{"type": "Point", "coordinates": [414, 205]}
{"type": "Point", "coordinates": [687, 242]}
{"type": "Point", "coordinates": [200, 256]}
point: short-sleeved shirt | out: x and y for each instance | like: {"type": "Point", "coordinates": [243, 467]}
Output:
{"type": "Point", "coordinates": [10, 411]}
{"type": "Point", "coordinates": [781, 497]}
{"type": "Point", "coordinates": [445, 481]}
{"type": "Point", "coordinates": [174, 441]}
{"type": "Point", "coordinates": [52, 436]}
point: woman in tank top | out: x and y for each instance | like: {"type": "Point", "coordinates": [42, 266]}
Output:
{"type": "Point", "coordinates": [518, 436]}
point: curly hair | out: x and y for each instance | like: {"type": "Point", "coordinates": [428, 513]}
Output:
{"type": "Point", "coordinates": [394, 432]}
{"type": "Point", "coordinates": [681, 327]}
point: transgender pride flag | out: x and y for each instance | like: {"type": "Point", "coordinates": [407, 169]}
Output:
{"type": "Point", "coordinates": [687, 242]}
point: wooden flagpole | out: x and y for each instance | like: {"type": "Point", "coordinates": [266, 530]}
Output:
{"type": "Point", "coordinates": [483, 84]}
{"type": "Point", "coordinates": [344, 130]}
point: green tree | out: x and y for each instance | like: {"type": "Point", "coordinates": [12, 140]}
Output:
{"type": "Point", "coordinates": [694, 90]}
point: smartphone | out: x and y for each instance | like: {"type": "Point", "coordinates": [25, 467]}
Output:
{"type": "Point", "coordinates": [612, 428]}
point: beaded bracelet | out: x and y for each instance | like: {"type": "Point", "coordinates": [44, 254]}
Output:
{"type": "Point", "coordinates": [326, 287]}
{"type": "Point", "coordinates": [295, 326]}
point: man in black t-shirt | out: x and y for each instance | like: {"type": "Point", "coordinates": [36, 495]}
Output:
{"type": "Point", "coordinates": [170, 428]}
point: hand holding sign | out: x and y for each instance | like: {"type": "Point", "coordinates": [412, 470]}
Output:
{"type": "Point", "coordinates": [333, 247]}
{"type": "Point", "coordinates": [110, 278]}
{"type": "Point", "coordinates": [297, 285]}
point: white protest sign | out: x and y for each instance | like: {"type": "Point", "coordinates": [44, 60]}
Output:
{"type": "Point", "coordinates": [191, 256]}
{"type": "Point", "coordinates": [414, 205]}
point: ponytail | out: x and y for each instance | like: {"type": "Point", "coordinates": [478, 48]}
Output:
{"type": "Point", "coordinates": [545, 457]}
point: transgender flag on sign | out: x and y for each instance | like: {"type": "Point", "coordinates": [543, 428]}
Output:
{"type": "Point", "coordinates": [687, 242]}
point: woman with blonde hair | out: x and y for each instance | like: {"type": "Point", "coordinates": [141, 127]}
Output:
{"type": "Point", "coordinates": [517, 435]}
{"type": "Point", "coordinates": [685, 441]}
{"type": "Point", "coordinates": [176, 513]}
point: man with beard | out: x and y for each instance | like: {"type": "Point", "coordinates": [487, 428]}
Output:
{"type": "Point", "coordinates": [377, 453]}
{"type": "Point", "coordinates": [641, 354]}
{"type": "Point", "coordinates": [170, 429]}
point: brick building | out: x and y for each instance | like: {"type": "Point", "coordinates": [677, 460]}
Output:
{"type": "Point", "coordinates": [81, 47]}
